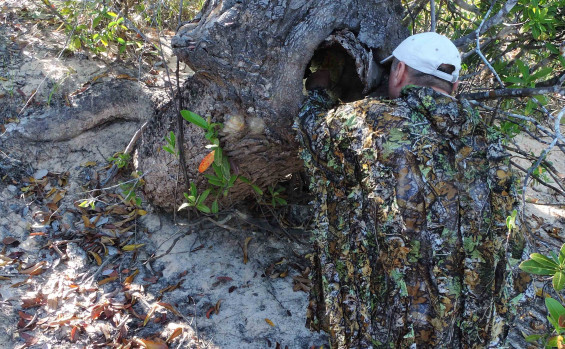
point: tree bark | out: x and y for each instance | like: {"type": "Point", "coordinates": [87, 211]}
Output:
{"type": "Point", "coordinates": [249, 59]}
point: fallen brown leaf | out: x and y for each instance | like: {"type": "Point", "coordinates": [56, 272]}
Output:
{"type": "Point", "coordinates": [245, 251]}
{"type": "Point", "coordinates": [34, 270]}
{"type": "Point", "coordinates": [177, 332]}
{"type": "Point", "coordinates": [9, 240]}
{"type": "Point", "coordinates": [157, 343]}
{"type": "Point", "coordinates": [96, 257]}
{"type": "Point", "coordinates": [130, 278]}
{"type": "Point", "coordinates": [210, 311]}
{"type": "Point", "coordinates": [106, 280]}
{"type": "Point", "coordinates": [217, 307]}
{"type": "Point", "coordinates": [149, 314]}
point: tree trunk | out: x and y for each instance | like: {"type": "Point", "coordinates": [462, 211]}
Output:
{"type": "Point", "coordinates": [250, 58]}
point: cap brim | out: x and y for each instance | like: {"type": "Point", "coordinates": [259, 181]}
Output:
{"type": "Point", "coordinates": [387, 59]}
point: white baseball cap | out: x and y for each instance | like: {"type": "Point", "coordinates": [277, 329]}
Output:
{"type": "Point", "coordinates": [425, 52]}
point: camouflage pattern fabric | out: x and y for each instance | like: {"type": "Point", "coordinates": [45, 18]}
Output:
{"type": "Point", "coordinates": [411, 245]}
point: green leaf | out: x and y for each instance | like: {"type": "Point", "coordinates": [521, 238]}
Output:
{"type": "Point", "coordinates": [121, 41]}
{"type": "Point", "coordinates": [218, 156]}
{"type": "Point", "coordinates": [523, 68]}
{"type": "Point", "coordinates": [217, 170]}
{"type": "Point", "coordinates": [543, 260]}
{"type": "Point", "coordinates": [552, 342]}
{"type": "Point", "coordinates": [203, 196]}
{"type": "Point", "coordinates": [233, 178]}
{"type": "Point", "coordinates": [85, 203]}
{"type": "Point", "coordinates": [555, 308]}
{"type": "Point", "coordinates": [215, 207]}
{"type": "Point", "coordinates": [257, 189]}
{"type": "Point", "coordinates": [195, 119]}
{"type": "Point", "coordinates": [168, 150]}
{"type": "Point", "coordinates": [533, 338]}
{"type": "Point", "coordinates": [554, 257]}
{"type": "Point", "coordinates": [244, 179]}
{"type": "Point", "coordinates": [112, 14]}
{"type": "Point", "coordinates": [281, 201]}
{"type": "Point", "coordinates": [203, 208]}
{"type": "Point", "coordinates": [541, 73]}
{"type": "Point", "coordinates": [533, 267]}
{"type": "Point", "coordinates": [558, 281]}
{"type": "Point", "coordinates": [514, 79]}
{"type": "Point", "coordinates": [184, 205]}
{"type": "Point", "coordinates": [193, 190]}
{"type": "Point", "coordinates": [191, 199]}
{"type": "Point", "coordinates": [214, 180]}
{"type": "Point", "coordinates": [226, 168]}
{"type": "Point", "coordinates": [562, 255]}
{"type": "Point", "coordinates": [95, 21]}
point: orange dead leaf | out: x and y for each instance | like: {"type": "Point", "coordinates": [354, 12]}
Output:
{"type": "Point", "coordinates": [106, 280]}
{"type": "Point", "coordinates": [51, 206]}
{"type": "Point", "coordinates": [39, 233]}
{"type": "Point", "coordinates": [206, 162]}
{"type": "Point", "coordinates": [86, 222]}
{"type": "Point", "coordinates": [157, 343]}
{"type": "Point", "coordinates": [59, 196]}
{"type": "Point", "coordinates": [174, 335]}
{"type": "Point", "coordinates": [170, 308]}
{"type": "Point", "coordinates": [209, 312]}
{"type": "Point", "coordinates": [96, 257]}
{"type": "Point", "coordinates": [130, 278]}
{"type": "Point", "coordinates": [73, 334]}
{"type": "Point", "coordinates": [270, 322]}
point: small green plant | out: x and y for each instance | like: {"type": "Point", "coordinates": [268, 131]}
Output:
{"type": "Point", "coordinates": [554, 266]}
{"type": "Point", "coordinates": [221, 180]}
{"type": "Point", "coordinates": [129, 190]}
{"type": "Point", "coordinates": [171, 144]}
{"type": "Point", "coordinates": [276, 199]}
{"type": "Point", "coordinates": [119, 159]}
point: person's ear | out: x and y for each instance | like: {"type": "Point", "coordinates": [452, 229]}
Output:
{"type": "Point", "coordinates": [455, 86]}
{"type": "Point", "coordinates": [397, 75]}
{"type": "Point", "coordinates": [397, 80]}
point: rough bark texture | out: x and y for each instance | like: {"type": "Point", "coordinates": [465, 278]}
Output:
{"type": "Point", "coordinates": [250, 58]}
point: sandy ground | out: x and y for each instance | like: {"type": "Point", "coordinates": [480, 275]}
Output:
{"type": "Point", "coordinates": [74, 276]}
{"type": "Point", "coordinates": [64, 281]}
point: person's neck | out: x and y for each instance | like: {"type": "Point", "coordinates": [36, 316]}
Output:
{"type": "Point", "coordinates": [442, 91]}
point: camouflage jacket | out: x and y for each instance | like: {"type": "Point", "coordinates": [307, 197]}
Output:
{"type": "Point", "coordinates": [410, 237]}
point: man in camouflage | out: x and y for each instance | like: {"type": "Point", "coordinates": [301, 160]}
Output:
{"type": "Point", "coordinates": [412, 194]}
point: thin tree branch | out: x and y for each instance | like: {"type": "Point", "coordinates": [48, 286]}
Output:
{"type": "Point", "coordinates": [512, 93]}
{"type": "Point", "coordinates": [433, 15]}
{"type": "Point", "coordinates": [466, 6]}
{"type": "Point", "coordinates": [494, 20]}
{"type": "Point", "coordinates": [478, 46]}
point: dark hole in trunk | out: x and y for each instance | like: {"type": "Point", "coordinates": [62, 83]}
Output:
{"type": "Point", "coordinates": [344, 81]}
